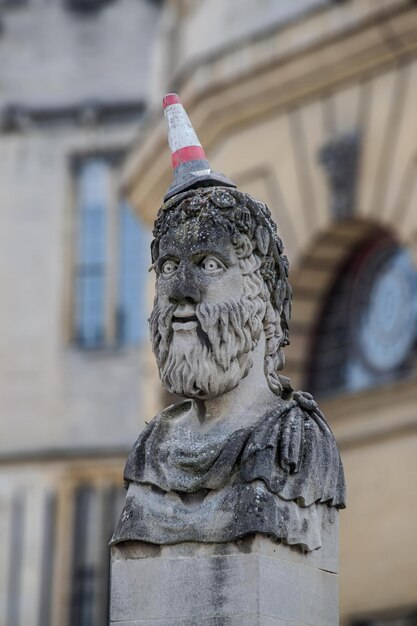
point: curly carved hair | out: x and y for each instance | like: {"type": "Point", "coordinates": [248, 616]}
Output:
{"type": "Point", "coordinates": [249, 224]}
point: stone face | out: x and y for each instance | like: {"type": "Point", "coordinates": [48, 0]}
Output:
{"type": "Point", "coordinates": [251, 581]}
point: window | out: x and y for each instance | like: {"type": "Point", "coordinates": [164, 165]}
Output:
{"type": "Point", "coordinates": [368, 328]}
{"type": "Point", "coordinates": [132, 243]}
{"type": "Point", "coordinates": [93, 208]}
{"type": "Point", "coordinates": [96, 512]}
{"type": "Point", "coordinates": [111, 260]}
{"type": "Point", "coordinates": [86, 7]}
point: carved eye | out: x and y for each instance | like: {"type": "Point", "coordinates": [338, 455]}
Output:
{"type": "Point", "coordinates": [210, 264]}
{"type": "Point", "coordinates": [169, 268]}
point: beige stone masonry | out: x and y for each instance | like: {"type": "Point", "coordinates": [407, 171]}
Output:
{"type": "Point", "coordinates": [250, 582]}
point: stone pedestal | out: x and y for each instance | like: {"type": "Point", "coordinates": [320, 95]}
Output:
{"type": "Point", "coordinates": [249, 582]}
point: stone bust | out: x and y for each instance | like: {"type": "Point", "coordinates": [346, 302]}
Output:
{"type": "Point", "coordinates": [243, 453]}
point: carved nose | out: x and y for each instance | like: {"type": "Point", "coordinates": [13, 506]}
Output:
{"type": "Point", "coordinates": [184, 291]}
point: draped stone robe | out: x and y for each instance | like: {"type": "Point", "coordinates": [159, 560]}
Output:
{"type": "Point", "coordinates": [282, 477]}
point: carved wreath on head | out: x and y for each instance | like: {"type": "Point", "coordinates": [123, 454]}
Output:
{"type": "Point", "coordinates": [240, 215]}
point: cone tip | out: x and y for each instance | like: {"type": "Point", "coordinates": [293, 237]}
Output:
{"type": "Point", "coordinates": [170, 98]}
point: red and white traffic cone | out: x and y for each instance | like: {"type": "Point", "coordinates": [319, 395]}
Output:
{"type": "Point", "coordinates": [189, 162]}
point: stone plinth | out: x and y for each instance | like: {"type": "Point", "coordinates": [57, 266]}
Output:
{"type": "Point", "coordinates": [249, 582]}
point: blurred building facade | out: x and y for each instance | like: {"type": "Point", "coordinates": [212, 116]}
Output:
{"type": "Point", "coordinates": [74, 84]}
{"type": "Point", "coordinates": [308, 105]}
{"type": "Point", "coordinates": [311, 107]}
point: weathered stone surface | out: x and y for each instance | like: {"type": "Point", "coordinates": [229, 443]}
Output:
{"type": "Point", "coordinates": [243, 486]}
{"type": "Point", "coordinates": [244, 454]}
{"type": "Point", "coordinates": [245, 460]}
{"type": "Point", "coordinates": [251, 581]}
{"type": "Point", "coordinates": [236, 620]}
{"type": "Point", "coordinates": [319, 605]}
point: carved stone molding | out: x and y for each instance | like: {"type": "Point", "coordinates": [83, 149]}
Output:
{"type": "Point", "coordinates": [231, 90]}
{"type": "Point", "coordinates": [340, 157]}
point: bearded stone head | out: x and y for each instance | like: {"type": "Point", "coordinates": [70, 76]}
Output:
{"type": "Point", "coordinates": [222, 282]}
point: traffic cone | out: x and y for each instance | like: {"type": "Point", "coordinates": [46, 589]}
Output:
{"type": "Point", "coordinates": [189, 162]}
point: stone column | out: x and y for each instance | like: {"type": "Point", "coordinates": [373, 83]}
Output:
{"type": "Point", "coordinates": [249, 582]}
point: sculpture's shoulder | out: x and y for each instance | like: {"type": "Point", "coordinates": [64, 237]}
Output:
{"type": "Point", "coordinates": [165, 417]}
{"type": "Point", "coordinates": [270, 475]}
{"type": "Point", "coordinates": [294, 452]}
{"type": "Point", "coordinates": [156, 431]}
{"type": "Point", "coordinates": [305, 400]}
{"type": "Point", "coordinates": [306, 406]}
{"type": "Point", "coordinates": [172, 412]}
{"type": "Point", "coordinates": [302, 399]}
{"type": "Point", "coordinates": [302, 407]}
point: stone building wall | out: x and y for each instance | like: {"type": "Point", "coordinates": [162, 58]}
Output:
{"type": "Point", "coordinates": [317, 119]}
{"type": "Point", "coordinates": [270, 92]}
{"type": "Point", "coordinates": [55, 54]}
{"type": "Point", "coordinates": [224, 24]}
{"type": "Point", "coordinates": [58, 395]}
{"type": "Point", "coordinates": [73, 86]}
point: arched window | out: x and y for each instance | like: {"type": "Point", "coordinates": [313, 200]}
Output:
{"type": "Point", "coordinates": [366, 334]}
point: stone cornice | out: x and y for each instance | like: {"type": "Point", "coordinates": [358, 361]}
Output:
{"type": "Point", "coordinates": [262, 76]}
{"type": "Point", "coordinates": [373, 414]}
{"type": "Point", "coordinates": [61, 454]}
{"type": "Point", "coordinates": [20, 117]}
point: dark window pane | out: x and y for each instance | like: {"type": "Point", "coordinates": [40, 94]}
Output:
{"type": "Point", "coordinates": [16, 560]}
{"type": "Point", "coordinates": [133, 261]}
{"type": "Point", "coordinates": [82, 586]}
{"type": "Point", "coordinates": [45, 604]}
{"type": "Point", "coordinates": [92, 189]}
{"type": "Point", "coordinates": [96, 510]}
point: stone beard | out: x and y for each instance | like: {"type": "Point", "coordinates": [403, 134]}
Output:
{"type": "Point", "coordinates": [210, 358]}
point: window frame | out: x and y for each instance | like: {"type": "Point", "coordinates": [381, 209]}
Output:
{"type": "Point", "coordinates": [112, 339]}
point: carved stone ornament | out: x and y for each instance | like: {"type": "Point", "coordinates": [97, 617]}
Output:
{"type": "Point", "coordinates": [244, 453]}
{"type": "Point", "coordinates": [340, 159]}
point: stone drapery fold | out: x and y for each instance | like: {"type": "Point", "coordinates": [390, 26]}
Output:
{"type": "Point", "coordinates": [274, 477]}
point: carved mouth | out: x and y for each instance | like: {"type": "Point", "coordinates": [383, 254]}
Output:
{"type": "Point", "coordinates": [182, 320]}
{"type": "Point", "coordinates": [189, 322]}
